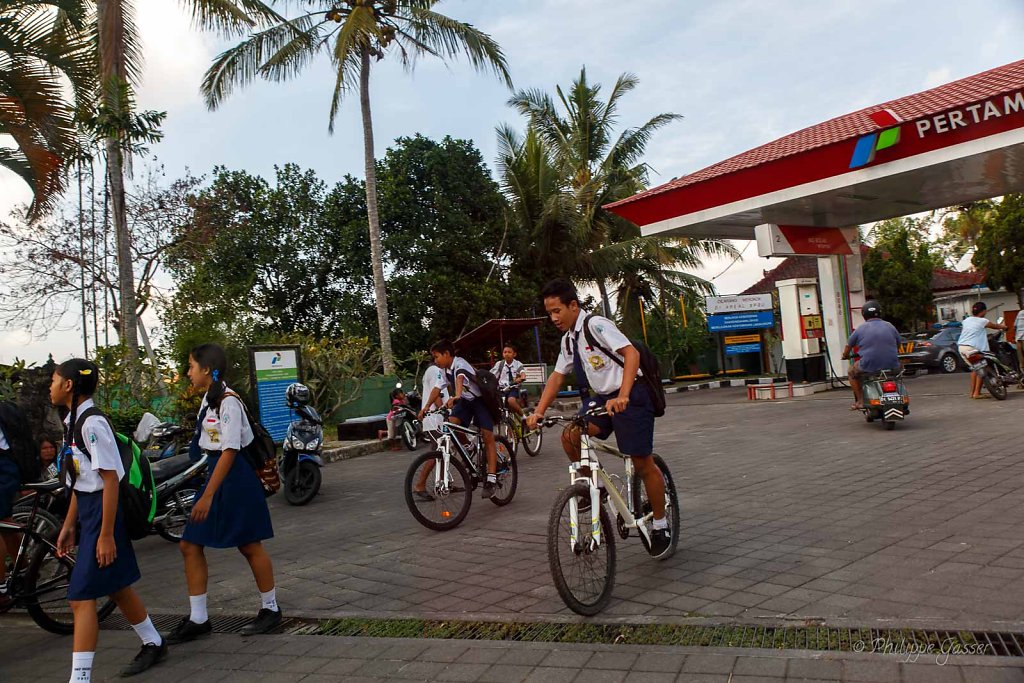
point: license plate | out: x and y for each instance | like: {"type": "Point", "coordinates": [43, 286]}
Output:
{"type": "Point", "coordinates": [892, 398]}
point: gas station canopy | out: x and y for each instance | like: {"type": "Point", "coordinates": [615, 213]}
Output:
{"type": "Point", "coordinates": [950, 145]}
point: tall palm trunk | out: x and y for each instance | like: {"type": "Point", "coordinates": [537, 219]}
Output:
{"type": "Point", "coordinates": [113, 75]}
{"type": "Point", "coordinates": [376, 258]}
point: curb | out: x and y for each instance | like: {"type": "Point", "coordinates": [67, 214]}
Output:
{"type": "Point", "coordinates": [723, 383]}
{"type": "Point", "coordinates": [349, 451]}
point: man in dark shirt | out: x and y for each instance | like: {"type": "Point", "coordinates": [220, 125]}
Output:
{"type": "Point", "coordinates": [878, 345]}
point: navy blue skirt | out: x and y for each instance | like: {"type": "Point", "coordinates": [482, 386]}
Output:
{"type": "Point", "coordinates": [10, 483]}
{"type": "Point", "coordinates": [238, 515]}
{"type": "Point", "coordinates": [88, 581]}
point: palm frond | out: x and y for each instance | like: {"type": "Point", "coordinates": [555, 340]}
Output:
{"type": "Point", "coordinates": [452, 38]}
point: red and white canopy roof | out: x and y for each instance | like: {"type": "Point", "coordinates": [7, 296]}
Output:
{"type": "Point", "coordinates": [956, 143]}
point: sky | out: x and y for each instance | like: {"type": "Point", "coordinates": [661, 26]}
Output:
{"type": "Point", "coordinates": [740, 72]}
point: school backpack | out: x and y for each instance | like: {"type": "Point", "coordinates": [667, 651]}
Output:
{"type": "Point", "coordinates": [488, 385]}
{"type": "Point", "coordinates": [23, 449]}
{"type": "Point", "coordinates": [261, 452]}
{"type": "Point", "coordinates": [136, 490]}
{"type": "Point", "coordinates": [651, 377]}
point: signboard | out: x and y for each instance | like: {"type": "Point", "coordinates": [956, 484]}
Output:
{"type": "Point", "coordinates": [743, 339]}
{"type": "Point", "coordinates": [738, 304]}
{"type": "Point", "coordinates": [813, 327]}
{"type": "Point", "coordinates": [741, 321]}
{"type": "Point", "coordinates": [793, 240]}
{"type": "Point", "coordinates": [273, 369]}
{"type": "Point", "coordinates": [736, 349]}
{"type": "Point", "coordinates": [535, 374]}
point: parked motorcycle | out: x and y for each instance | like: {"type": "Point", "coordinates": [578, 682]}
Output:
{"type": "Point", "coordinates": [177, 480]}
{"type": "Point", "coordinates": [998, 367]}
{"type": "Point", "coordinates": [406, 419]}
{"type": "Point", "coordinates": [165, 441]}
{"type": "Point", "coordinates": [300, 458]}
{"type": "Point", "coordinates": [885, 398]}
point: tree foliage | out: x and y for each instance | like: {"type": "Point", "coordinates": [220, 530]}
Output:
{"type": "Point", "coordinates": [898, 274]}
{"type": "Point", "coordinates": [1000, 245]}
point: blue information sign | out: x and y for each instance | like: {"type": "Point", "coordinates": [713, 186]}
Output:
{"type": "Point", "coordinates": [736, 349]}
{"type": "Point", "coordinates": [754, 320]}
{"type": "Point", "coordinates": [275, 369]}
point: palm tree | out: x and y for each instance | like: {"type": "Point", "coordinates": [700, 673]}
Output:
{"type": "Point", "coordinates": [120, 69]}
{"type": "Point", "coordinates": [567, 168]}
{"type": "Point", "coordinates": [354, 34]}
{"type": "Point", "coordinates": [41, 49]}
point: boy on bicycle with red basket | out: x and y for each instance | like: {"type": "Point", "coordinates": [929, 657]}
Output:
{"type": "Point", "coordinates": [613, 381]}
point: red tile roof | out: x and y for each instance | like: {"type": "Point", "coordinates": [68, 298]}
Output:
{"type": "Point", "coordinates": [987, 84]}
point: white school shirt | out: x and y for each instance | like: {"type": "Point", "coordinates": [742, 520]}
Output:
{"type": "Point", "coordinates": [226, 428]}
{"type": "Point", "coordinates": [103, 453]}
{"type": "Point", "coordinates": [434, 378]}
{"type": "Point", "coordinates": [501, 370]}
{"type": "Point", "coordinates": [470, 390]}
{"type": "Point", "coordinates": [1019, 327]}
{"type": "Point", "coordinates": [603, 374]}
{"type": "Point", "coordinates": [4, 446]}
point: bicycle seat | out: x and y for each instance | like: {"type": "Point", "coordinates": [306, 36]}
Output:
{"type": "Point", "coordinates": [48, 485]}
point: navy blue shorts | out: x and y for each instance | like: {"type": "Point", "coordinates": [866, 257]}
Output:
{"type": "Point", "coordinates": [473, 412]}
{"type": "Point", "coordinates": [512, 393]}
{"type": "Point", "coordinates": [634, 428]}
{"type": "Point", "coordinates": [10, 484]}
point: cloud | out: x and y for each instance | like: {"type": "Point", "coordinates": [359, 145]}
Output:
{"type": "Point", "coordinates": [937, 77]}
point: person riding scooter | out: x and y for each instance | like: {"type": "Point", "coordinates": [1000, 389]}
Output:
{"type": "Point", "coordinates": [877, 343]}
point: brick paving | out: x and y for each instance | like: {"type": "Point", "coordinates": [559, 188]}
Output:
{"type": "Point", "coordinates": [792, 510]}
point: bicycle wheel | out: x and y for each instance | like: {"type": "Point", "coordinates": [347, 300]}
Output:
{"type": "Point", "coordinates": [439, 508]}
{"type": "Point", "coordinates": [642, 505]}
{"type": "Point", "coordinates": [179, 510]}
{"type": "Point", "coordinates": [506, 430]}
{"type": "Point", "coordinates": [508, 472]}
{"type": "Point", "coordinates": [46, 585]}
{"type": "Point", "coordinates": [46, 523]}
{"type": "Point", "coordinates": [410, 437]}
{"type": "Point", "coordinates": [584, 577]}
{"type": "Point", "coordinates": [532, 441]}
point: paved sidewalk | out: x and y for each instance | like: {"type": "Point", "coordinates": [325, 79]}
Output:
{"type": "Point", "coordinates": [322, 659]}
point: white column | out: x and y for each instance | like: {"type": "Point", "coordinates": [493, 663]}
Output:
{"type": "Point", "coordinates": [830, 281]}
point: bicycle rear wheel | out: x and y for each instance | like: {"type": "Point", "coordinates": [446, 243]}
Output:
{"type": "Point", "coordinates": [508, 472]}
{"type": "Point", "coordinates": [532, 441]}
{"type": "Point", "coordinates": [435, 506]}
{"type": "Point", "coordinates": [46, 584]}
{"type": "Point", "coordinates": [642, 505]}
{"type": "Point", "coordinates": [584, 577]}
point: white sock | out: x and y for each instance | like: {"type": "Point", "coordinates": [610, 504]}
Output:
{"type": "Point", "coordinates": [147, 632]}
{"type": "Point", "coordinates": [270, 599]}
{"type": "Point", "coordinates": [81, 667]}
{"type": "Point", "coordinates": [492, 478]}
{"type": "Point", "coordinates": [198, 614]}
{"type": "Point", "coordinates": [661, 523]}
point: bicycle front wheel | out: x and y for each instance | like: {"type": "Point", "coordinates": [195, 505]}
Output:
{"type": "Point", "coordinates": [46, 584]}
{"type": "Point", "coordinates": [508, 472]}
{"type": "Point", "coordinates": [532, 441]}
{"type": "Point", "coordinates": [642, 505]}
{"type": "Point", "coordinates": [584, 576]}
{"type": "Point", "coordinates": [436, 504]}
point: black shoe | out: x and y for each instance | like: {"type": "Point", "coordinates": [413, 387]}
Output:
{"type": "Point", "coordinates": [422, 496]}
{"type": "Point", "coordinates": [187, 630]}
{"type": "Point", "coordinates": [265, 622]}
{"type": "Point", "coordinates": [149, 656]}
{"type": "Point", "coordinates": [489, 490]}
{"type": "Point", "coordinates": [661, 540]}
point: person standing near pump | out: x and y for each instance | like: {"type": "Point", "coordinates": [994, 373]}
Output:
{"type": "Point", "coordinates": [629, 405]}
{"type": "Point", "coordinates": [231, 509]}
{"type": "Point", "coordinates": [974, 338]}
{"type": "Point", "coordinates": [878, 344]}
{"type": "Point", "coordinates": [106, 564]}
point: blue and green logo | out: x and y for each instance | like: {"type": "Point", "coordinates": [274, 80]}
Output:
{"type": "Point", "coordinates": [864, 152]}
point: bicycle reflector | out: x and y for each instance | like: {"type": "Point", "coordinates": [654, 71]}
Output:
{"type": "Point", "coordinates": [446, 513]}
{"type": "Point", "coordinates": [888, 386]}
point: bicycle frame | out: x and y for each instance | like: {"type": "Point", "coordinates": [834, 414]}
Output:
{"type": "Point", "coordinates": [445, 444]}
{"type": "Point", "coordinates": [28, 535]}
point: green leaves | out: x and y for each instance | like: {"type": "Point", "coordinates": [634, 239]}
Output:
{"type": "Point", "coordinates": [898, 272]}
{"type": "Point", "coordinates": [1000, 245]}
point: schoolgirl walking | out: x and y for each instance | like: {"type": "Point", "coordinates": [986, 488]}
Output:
{"type": "Point", "coordinates": [230, 511]}
{"type": "Point", "coordinates": [105, 566]}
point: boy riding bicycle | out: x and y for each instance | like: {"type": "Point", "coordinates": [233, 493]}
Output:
{"type": "Point", "coordinates": [630, 409]}
{"type": "Point", "coordinates": [510, 373]}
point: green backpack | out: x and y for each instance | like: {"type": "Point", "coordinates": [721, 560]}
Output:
{"type": "Point", "coordinates": [137, 489]}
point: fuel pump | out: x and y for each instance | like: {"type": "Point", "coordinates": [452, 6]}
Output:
{"type": "Point", "coordinates": [802, 330]}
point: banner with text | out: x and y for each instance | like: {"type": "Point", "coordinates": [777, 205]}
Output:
{"type": "Point", "coordinates": [274, 370]}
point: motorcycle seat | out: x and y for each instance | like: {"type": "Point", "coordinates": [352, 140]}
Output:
{"type": "Point", "coordinates": [170, 467]}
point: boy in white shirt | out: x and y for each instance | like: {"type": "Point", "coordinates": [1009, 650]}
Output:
{"type": "Point", "coordinates": [510, 373]}
{"type": "Point", "coordinates": [433, 378]}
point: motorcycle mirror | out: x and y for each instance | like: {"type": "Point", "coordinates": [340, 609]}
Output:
{"type": "Point", "coordinates": [999, 321]}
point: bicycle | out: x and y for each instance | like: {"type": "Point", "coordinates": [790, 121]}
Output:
{"type": "Point", "coordinates": [513, 427]}
{"type": "Point", "coordinates": [453, 472]}
{"type": "Point", "coordinates": [582, 561]}
{"type": "Point", "coordinates": [37, 577]}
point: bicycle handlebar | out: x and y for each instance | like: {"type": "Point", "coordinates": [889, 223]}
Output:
{"type": "Point", "coordinates": [549, 422]}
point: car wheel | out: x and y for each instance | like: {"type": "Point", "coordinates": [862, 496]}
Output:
{"type": "Point", "coordinates": [949, 364]}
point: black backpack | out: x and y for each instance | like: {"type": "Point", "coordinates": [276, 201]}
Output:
{"type": "Point", "coordinates": [260, 453]}
{"type": "Point", "coordinates": [24, 451]}
{"type": "Point", "coordinates": [651, 377]}
{"type": "Point", "coordinates": [137, 489]}
{"type": "Point", "coordinates": [488, 384]}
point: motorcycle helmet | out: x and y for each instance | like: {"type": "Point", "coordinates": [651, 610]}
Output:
{"type": "Point", "coordinates": [871, 309]}
{"type": "Point", "coordinates": [297, 394]}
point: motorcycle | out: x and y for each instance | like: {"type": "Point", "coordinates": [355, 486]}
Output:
{"type": "Point", "coordinates": [885, 398]}
{"type": "Point", "coordinates": [165, 441]}
{"type": "Point", "coordinates": [998, 368]}
{"type": "Point", "coordinates": [300, 458]}
{"type": "Point", "coordinates": [178, 480]}
{"type": "Point", "coordinates": [406, 419]}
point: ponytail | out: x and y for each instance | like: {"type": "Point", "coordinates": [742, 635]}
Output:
{"type": "Point", "coordinates": [85, 377]}
{"type": "Point", "coordinates": [213, 358]}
